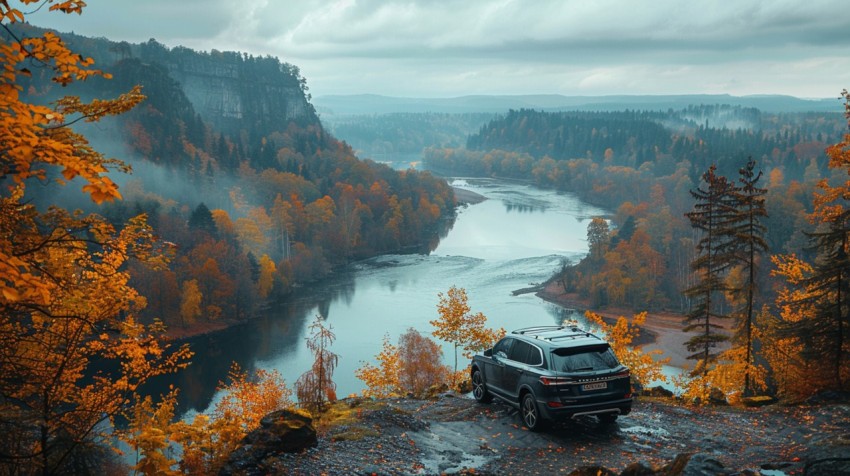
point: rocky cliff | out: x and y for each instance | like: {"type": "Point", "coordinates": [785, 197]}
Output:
{"type": "Point", "coordinates": [232, 92]}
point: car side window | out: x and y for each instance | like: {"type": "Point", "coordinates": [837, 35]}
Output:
{"type": "Point", "coordinates": [503, 348]}
{"type": "Point", "coordinates": [535, 357]}
{"type": "Point", "coordinates": [519, 353]}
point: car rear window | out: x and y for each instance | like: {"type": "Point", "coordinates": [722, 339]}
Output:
{"type": "Point", "coordinates": [584, 359]}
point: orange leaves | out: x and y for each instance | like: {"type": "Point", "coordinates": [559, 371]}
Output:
{"type": "Point", "coordinates": [645, 366]}
{"type": "Point", "coordinates": [381, 381]}
{"type": "Point", "coordinates": [207, 441]}
{"type": "Point", "coordinates": [412, 367]}
{"type": "Point", "coordinates": [37, 136]}
{"type": "Point", "coordinates": [247, 399]}
{"type": "Point", "coordinates": [69, 6]}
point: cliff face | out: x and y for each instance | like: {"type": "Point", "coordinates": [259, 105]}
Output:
{"type": "Point", "coordinates": [234, 92]}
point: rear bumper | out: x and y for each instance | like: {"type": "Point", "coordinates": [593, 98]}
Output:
{"type": "Point", "coordinates": [620, 407]}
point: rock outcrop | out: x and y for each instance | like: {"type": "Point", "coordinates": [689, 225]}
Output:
{"type": "Point", "coordinates": [283, 431]}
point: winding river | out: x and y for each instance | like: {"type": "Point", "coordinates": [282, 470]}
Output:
{"type": "Point", "coordinates": [516, 238]}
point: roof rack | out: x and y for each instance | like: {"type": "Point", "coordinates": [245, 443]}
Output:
{"type": "Point", "coordinates": [526, 330]}
{"type": "Point", "coordinates": [538, 332]}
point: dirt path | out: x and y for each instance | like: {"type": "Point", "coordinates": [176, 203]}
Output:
{"type": "Point", "coordinates": [452, 434]}
{"type": "Point", "coordinates": [662, 330]}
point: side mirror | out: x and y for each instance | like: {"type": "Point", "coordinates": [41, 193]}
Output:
{"type": "Point", "coordinates": [488, 352]}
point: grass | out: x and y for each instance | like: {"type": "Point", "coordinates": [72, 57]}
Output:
{"type": "Point", "coordinates": [342, 419]}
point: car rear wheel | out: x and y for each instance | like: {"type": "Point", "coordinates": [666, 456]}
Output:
{"type": "Point", "coordinates": [530, 415]}
{"type": "Point", "coordinates": [479, 388]}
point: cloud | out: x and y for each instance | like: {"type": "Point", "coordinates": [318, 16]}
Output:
{"type": "Point", "coordinates": [438, 47]}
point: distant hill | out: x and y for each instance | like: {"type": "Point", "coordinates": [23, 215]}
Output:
{"type": "Point", "coordinates": [375, 104]}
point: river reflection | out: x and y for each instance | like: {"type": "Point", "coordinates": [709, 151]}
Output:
{"type": "Point", "coordinates": [515, 238]}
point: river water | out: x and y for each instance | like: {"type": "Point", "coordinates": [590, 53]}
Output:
{"type": "Point", "coordinates": [516, 238]}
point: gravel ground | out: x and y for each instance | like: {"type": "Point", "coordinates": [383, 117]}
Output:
{"type": "Point", "coordinates": [455, 435]}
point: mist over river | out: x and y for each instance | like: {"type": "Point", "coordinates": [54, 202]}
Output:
{"type": "Point", "coordinates": [516, 238]}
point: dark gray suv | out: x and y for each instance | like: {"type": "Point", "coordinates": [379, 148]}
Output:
{"type": "Point", "coordinates": [553, 373]}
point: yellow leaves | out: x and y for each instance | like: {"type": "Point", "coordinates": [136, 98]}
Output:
{"type": "Point", "coordinates": [208, 440]}
{"type": "Point", "coordinates": [381, 381]}
{"type": "Point", "coordinates": [726, 375]}
{"type": "Point", "coordinates": [412, 367]}
{"type": "Point", "coordinates": [247, 399]}
{"type": "Point", "coordinates": [458, 326]}
{"type": "Point", "coordinates": [644, 366]}
{"type": "Point", "coordinates": [267, 274]}
{"type": "Point", "coordinates": [190, 302]}
{"type": "Point", "coordinates": [37, 136]}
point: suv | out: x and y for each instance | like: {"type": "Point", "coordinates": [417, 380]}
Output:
{"type": "Point", "coordinates": [553, 373]}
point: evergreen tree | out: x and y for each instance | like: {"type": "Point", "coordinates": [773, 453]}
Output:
{"type": "Point", "coordinates": [202, 219]}
{"type": "Point", "coordinates": [712, 214]}
{"type": "Point", "coordinates": [749, 239]}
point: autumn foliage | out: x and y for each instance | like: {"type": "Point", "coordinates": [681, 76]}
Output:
{"type": "Point", "coordinates": [73, 354]}
{"type": "Point", "coordinates": [460, 327]}
{"type": "Point", "coordinates": [645, 366]}
{"type": "Point", "coordinates": [205, 442]}
{"type": "Point", "coordinates": [411, 368]}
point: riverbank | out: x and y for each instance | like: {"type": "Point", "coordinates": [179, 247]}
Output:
{"type": "Point", "coordinates": [662, 330]}
{"type": "Point", "coordinates": [198, 329]}
{"type": "Point", "coordinates": [467, 197]}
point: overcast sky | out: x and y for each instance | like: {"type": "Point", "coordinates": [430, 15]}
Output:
{"type": "Point", "coordinates": [447, 48]}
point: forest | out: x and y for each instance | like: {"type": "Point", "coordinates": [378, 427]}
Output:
{"type": "Point", "coordinates": [240, 197]}
{"type": "Point", "coordinates": [642, 166]}
{"type": "Point", "coordinates": [743, 230]}
{"type": "Point", "coordinates": [253, 208]}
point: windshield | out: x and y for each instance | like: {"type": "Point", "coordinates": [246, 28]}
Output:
{"type": "Point", "coordinates": [584, 359]}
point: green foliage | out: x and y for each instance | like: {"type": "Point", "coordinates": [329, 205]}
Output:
{"type": "Point", "coordinates": [712, 213]}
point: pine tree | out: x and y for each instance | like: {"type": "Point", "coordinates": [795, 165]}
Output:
{"type": "Point", "coordinates": [749, 240]}
{"type": "Point", "coordinates": [712, 214]}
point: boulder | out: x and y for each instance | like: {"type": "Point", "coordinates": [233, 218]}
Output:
{"type": "Point", "coordinates": [283, 431]}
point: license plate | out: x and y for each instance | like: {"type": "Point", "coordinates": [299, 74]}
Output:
{"type": "Point", "coordinates": [594, 386]}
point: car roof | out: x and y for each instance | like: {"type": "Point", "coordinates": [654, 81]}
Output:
{"type": "Point", "coordinates": [558, 336]}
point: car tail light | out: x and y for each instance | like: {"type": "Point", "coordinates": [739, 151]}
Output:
{"type": "Point", "coordinates": [554, 404]}
{"type": "Point", "coordinates": [554, 380]}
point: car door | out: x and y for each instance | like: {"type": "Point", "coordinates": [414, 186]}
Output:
{"type": "Point", "coordinates": [515, 367]}
{"type": "Point", "coordinates": [493, 371]}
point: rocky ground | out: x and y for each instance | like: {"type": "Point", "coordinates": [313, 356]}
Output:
{"type": "Point", "coordinates": [455, 435]}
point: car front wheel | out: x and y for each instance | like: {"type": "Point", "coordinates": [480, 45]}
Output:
{"type": "Point", "coordinates": [530, 414]}
{"type": "Point", "coordinates": [479, 388]}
